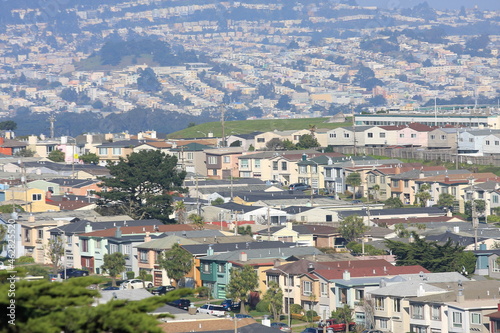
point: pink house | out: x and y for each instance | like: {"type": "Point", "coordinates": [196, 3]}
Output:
{"type": "Point", "coordinates": [414, 135]}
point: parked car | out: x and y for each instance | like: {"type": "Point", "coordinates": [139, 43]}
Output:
{"type": "Point", "coordinates": [73, 272]}
{"type": "Point", "coordinates": [281, 326]}
{"type": "Point", "coordinates": [162, 290]}
{"type": "Point", "coordinates": [372, 331]}
{"type": "Point", "coordinates": [313, 330]}
{"type": "Point", "coordinates": [181, 303]}
{"type": "Point", "coordinates": [339, 327]}
{"type": "Point", "coordinates": [229, 305]}
{"type": "Point", "coordinates": [211, 309]}
{"type": "Point", "coordinates": [111, 288]}
{"type": "Point", "coordinates": [136, 284]}
{"type": "Point", "coordinates": [299, 187]}
{"type": "Point", "coordinates": [241, 315]}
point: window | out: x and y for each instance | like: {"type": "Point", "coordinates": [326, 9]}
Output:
{"type": "Point", "coordinates": [397, 304]}
{"type": "Point", "coordinates": [382, 180]}
{"type": "Point", "coordinates": [395, 183]}
{"type": "Point", "coordinates": [443, 137]}
{"type": "Point", "coordinates": [302, 169]}
{"type": "Point", "coordinates": [324, 289]}
{"type": "Point", "coordinates": [346, 135]}
{"type": "Point", "coordinates": [413, 136]}
{"type": "Point", "coordinates": [417, 311]}
{"type": "Point", "coordinates": [36, 197]}
{"type": "Point", "coordinates": [206, 268]}
{"type": "Point", "coordinates": [103, 151]}
{"type": "Point", "coordinates": [359, 294]}
{"type": "Point", "coordinates": [143, 256]}
{"type": "Point", "coordinates": [419, 329]}
{"type": "Point", "coordinates": [333, 135]}
{"type": "Point", "coordinates": [212, 159]}
{"type": "Point", "coordinates": [471, 139]}
{"type": "Point", "coordinates": [401, 135]}
{"type": "Point", "coordinates": [381, 135]}
{"type": "Point", "coordinates": [272, 278]}
{"type": "Point", "coordinates": [98, 244]}
{"type": "Point", "coordinates": [475, 318]}
{"type": "Point", "coordinates": [457, 319]}
{"type": "Point", "coordinates": [436, 312]}
{"type": "Point", "coordinates": [433, 137]}
{"type": "Point", "coordinates": [69, 239]}
{"type": "Point", "coordinates": [50, 189]}
{"type": "Point", "coordinates": [261, 140]}
{"type": "Point", "coordinates": [314, 169]}
{"type": "Point", "coordinates": [328, 173]}
{"type": "Point", "coordinates": [379, 303]}
{"type": "Point", "coordinates": [275, 165]}
{"type": "Point", "coordinates": [307, 288]}
{"type": "Point", "coordinates": [329, 218]}
{"type": "Point", "coordinates": [221, 268]}
{"type": "Point", "coordinates": [127, 249]}
{"type": "Point", "coordinates": [85, 245]}
{"type": "Point", "coordinates": [113, 248]}
{"type": "Point", "coordinates": [382, 323]}
{"type": "Point", "coordinates": [487, 142]}
{"type": "Point", "coordinates": [227, 159]}
{"type": "Point", "coordinates": [288, 281]}
{"type": "Point", "coordinates": [117, 151]}
{"type": "Point", "coordinates": [244, 163]}
{"type": "Point", "coordinates": [497, 143]}
{"type": "Point", "coordinates": [283, 166]}
{"type": "Point", "coordinates": [190, 156]}
{"type": "Point", "coordinates": [257, 164]}
{"type": "Point", "coordinates": [495, 199]}
{"type": "Point", "coordinates": [370, 135]}
{"type": "Point", "coordinates": [40, 234]}
{"type": "Point", "coordinates": [407, 183]}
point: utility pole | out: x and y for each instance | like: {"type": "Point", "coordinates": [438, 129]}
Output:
{"type": "Point", "coordinates": [354, 130]}
{"type": "Point", "coordinates": [268, 223]}
{"type": "Point", "coordinates": [475, 218]}
{"type": "Point", "coordinates": [222, 115]}
{"type": "Point", "coordinates": [52, 119]}
{"type": "Point", "coordinates": [457, 140]}
{"type": "Point", "coordinates": [198, 196]}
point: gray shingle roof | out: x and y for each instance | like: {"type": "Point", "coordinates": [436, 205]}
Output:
{"type": "Point", "coordinates": [264, 253]}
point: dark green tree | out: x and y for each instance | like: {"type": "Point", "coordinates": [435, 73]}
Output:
{"type": "Point", "coordinates": [343, 315]}
{"type": "Point", "coordinates": [369, 249]}
{"type": "Point", "coordinates": [274, 144]}
{"type": "Point", "coordinates": [284, 103]}
{"type": "Point", "coordinates": [480, 207]}
{"type": "Point", "coordinates": [177, 262]}
{"type": "Point", "coordinates": [98, 104]}
{"type": "Point", "coordinates": [218, 201]}
{"type": "Point", "coordinates": [307, 141]}
{"type": "Point", "coordinates": [393, 202]}
{"type": "Point", "coordinates": [56, 156]}
{"type": "Point", "coordinates": [423, 194]}
{"type": "Point", "coordinates": [148, 81]}
{"type": "Point", "coordinates": [353, 180]}
{"type": "Point", "coordinates": [69, 95]}
{"type": "Point", "coordinates": [8, 125]}
{"type": "Point", "coordinates": [243, 280]}
{"type": "Point", "coordinates": [25, 153]}
{"type": "Point", "coordinates": [446, 200]}
{"type": "Point", "coordinates": [89, 158]}
{"type": "Point", "coordinates": [352, 227]}
{"type": "Point", "coordinates": [142, 184]}
{"type": "Point", "coordinates": [449, 257]}
{"type": "Point", "coordinates": [114, 264]}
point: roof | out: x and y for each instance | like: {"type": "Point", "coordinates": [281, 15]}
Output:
{"type": "Point", "coordinates": [226, 325]}
{"type": "Point", "coordinates": [407, 289]}
{"type": "Point", "coordinates": [264, 253]}
{"type": "Point", "coordinates": [417, 220]}
{"type": "Point", "coordinates": [374, 213]}
{"type": "Point", "coordinates": [165, 243]}
{"type": "Point", "coordinates": [472, 290]}
{"type": "Point", "coordinates": [78, 226]}
{"type": "Point", "coordinates": [76, 183]}
{"type": "Point", "coordinates": [369, 271]}
{"type": "Point", "coordinates": [126, 294]}
{"type": "Point", "coordinates": [241, 246]}
{"type": "Point", "coordinates": [128, 230]}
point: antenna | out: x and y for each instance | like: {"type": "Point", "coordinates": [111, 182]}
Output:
{"type": "Point", "coordinates": [52, 119]}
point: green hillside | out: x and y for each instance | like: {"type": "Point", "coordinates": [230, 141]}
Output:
{"type": "Point", "coordinates": [249, 126]}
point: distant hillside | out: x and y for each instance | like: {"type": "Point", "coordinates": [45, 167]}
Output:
{"type": "Point", "coordinates": [249, 126]}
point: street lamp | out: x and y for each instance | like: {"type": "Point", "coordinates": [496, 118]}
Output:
{"type": "Point", "coordinates": [288, 298]}
{"type": "Point", "coordinates": [64, 243]}
{"type": "Point", "coordinates": [205, 134]}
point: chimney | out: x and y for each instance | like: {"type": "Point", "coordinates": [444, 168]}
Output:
{"type": "Point", "coordinates": [482, 246]}
{"type": "Point", "coordinates": [31, 218]}
{"type": "Point", "coordinates": [118, 233]}
{"type": "Point", "coordinates": [421, 290]}
{"type": "Point", "coordinates": [460, 296]}
{"type": "Point", "coordinates": [289, 225]}
{"type": "Point", "coordinates": [88, 227]}
{"type": "Point", "coordinates": [210, 251]}
{"type": "Point", "coordinates": [147, 238]}
{"type": "Point", "coordinates": [243, 256]}
{"type": "Point", "coordinates": [346, 275]}
{"type": "Point", "coordinates": [456, 229]}
{"type": "Point", "coordinates": [304, 157]}
{"type": "Point", "coordinates": [310, 268]}
{"type": "Point", "coordinates": [498, 306]}
{"type": "Point", "coordinates": [277, 263]}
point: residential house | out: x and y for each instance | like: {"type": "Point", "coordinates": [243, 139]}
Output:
{"type": "Point", "coordinates": [78, 187]}
{"type": "Point", "coordinates": [242, 140]}
{"type": "Point", "coordinates": [113, 151]}
{"type": "Point", "coordinates": [472, 141]}
{"type": "Point", "coordinates": [299, 234]}
{"type": "Point", "coordinates": [292, 135]}
{"type": "Point", "coordinates": [45, 185]}
{"type": "Point", "coordinates": [443, 138]}
{"type": "Point", "coordinates": [414, 135]}
{"type": "Point", "coordinates": [222, 163]}
{"type": "Point", "coordinates": [491, 144]}
{"type": "Point", "coordinates": [32, 200]}
{"type": "Point", "coordinates": [232, 212]}
{"type": "Point", "coordinates": [191, 157]}
{"type": "Point", "coordinates": [11, 147]}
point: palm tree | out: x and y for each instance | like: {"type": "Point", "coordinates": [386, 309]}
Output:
{"type": "Point", "coordinates": [375, 189]}
{"type": "Point", "coordinates": [180, 211]}
{"type": "Point", "coordinates": [312, 129]}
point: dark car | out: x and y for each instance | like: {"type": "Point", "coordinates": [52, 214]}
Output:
{"type": "Point", "coordinates": [162, 290]}
{"type": "Point", "coordinates": [241, 315]}
{"type": "Point", "coordinates": [299, 187]}
{"type": "Point", "coordinates": [73, 272]}
{"type": "Point", "coordinates": [229, 305]}
{"type": "Point", "coordinates": [181, 303]}
{"type": "Point", "coordinates": [111, 288]}
{"type": "Point", "coordinates": [281, 326]}
{"type": "Point", "coordinates": [313, 330]}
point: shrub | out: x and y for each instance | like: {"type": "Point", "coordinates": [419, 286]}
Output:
{"type": "Point", "coordinates": [262, 306]}
{"type": "Point", "coordinates": [149, 277]}
{"type": "Point", "coordinates": [310, 315]}
{"type": "Point", "coordinates": [24, 260]}
{"type": "Point", "coordinates": [130, 275]}
{"type": "Point", "coordinates": [203, 291]}
{"type": "Point", "coordinates": [296, 308]}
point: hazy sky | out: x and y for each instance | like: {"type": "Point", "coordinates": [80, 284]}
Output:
{"type": "Point", "coordinates": [438, 4]}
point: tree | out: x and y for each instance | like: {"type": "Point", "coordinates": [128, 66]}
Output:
{"type": "Point", "coordinates": [393, 202]}
{"type": "Point", "coordinates": [449, 257]}
{"type": "Point", "coordinates": [274, 296]}
{"type": "Point", "coordinates": [354, 180]}
{"type": "Point", "coordinates": [197, 220]}
{"type": "Point", "coordinates": [142, 184]}
{"type": "Point", "coordinates": [177, 262]}
{"type": "Point", "coordinates": [375, 190]}
{"type": "Point", "coordinates": [243, 280]}
{"type": "Point", "coordinates": [446, 200]}
{"type": "Point", "coordinates": [401, 230]}
{"type": "Point", "coordinates": [54, 251]}
{"type": "Point", "coordinates": [369, 249]}
{"type": "Point", "coordinates": [114, 264]}
{"type": "Point", "coordinates": [69, 95]}
{"type": "Point", "coordinates": [479, 204]}
{"type": "Point", "coordinates": [307, 141]}
{"type": "Point", "coordinates": [25, 153]}
{"type": "Point", "coordinates": [343, 315]}
{"type": "Point", "coordinates": [53, 307]}
{"type": "Point", "coordinates": [180, 211]}
{"type": "Point", "coordinates": [56, 156]}
{"type": "Point", "coordinates": [8, 125]}
{"type": "Point", "coordinates": [274, 144]}
{"type": "Point", "coordinates": [89, 158]}
{"type": "Point", "coordinates": [98, 104]}
{"type": "Point", "coordinates": [284, 103]}
{"type": "Point", "coordinates": [352, 227]}
{"type": "Point", "coordinates": [218, 201]}
{"type": "Point", "coordinates": [148, 81]}
{"type": "Point", "coordinates": [143, 275]}
{"type": "Point", "coordinates": [423, 194]}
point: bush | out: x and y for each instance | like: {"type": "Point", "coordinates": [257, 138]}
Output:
{"type": "Point", "coordinates": [296, 308]}
{"type": "Point", "coordinates": [37, 270]}
{"type": "Point", "coordinates": [130, 275]}
{"type": "Point", "coordinates": [262, 306]}
{"type": "Point", "coordinates": [24, 260]}
{"type": "Point", "coordinates": [310, 315]}
{"type": "Point", "coordinates": [149, 277]}
{"type": "Point", "coordinates": [203, 291]}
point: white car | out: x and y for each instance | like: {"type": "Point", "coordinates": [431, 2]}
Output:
{"type": "Point", "coordinates": [136, 284]}
{"type": "Point", "coordinates": [214, 310]}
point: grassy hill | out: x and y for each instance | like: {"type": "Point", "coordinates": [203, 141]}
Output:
{"type": "Point", "coordinates": [249, 126]}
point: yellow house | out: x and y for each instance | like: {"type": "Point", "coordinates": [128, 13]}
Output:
{"type": "Point", "coordinates": [290, 233]}
{"type": "Point", "coordinates": [32, 200]}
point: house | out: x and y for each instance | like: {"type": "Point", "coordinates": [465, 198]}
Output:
{"type": "Point", "coordinates": [414, 135]}
{"type": "Point", "coordinates": [32, 200]}
{"type": "Point", "coordinates": [45, 185]}
{"type": "Point", "coordinates": [231, 211]}
{"type": "Point", "coordinates": [222, 163]}
{"type": "Point", "coordinates": [443, 138]}
{"type": "Point", "coordinates": [78, 187]}
{"type": "Point", "coordinates": [191, 157]}
{"type": "Point", "coordinates": [472, 141]}
{"type": "Point", "coordinates": [242, 140]}
{"type": "Point", "coordinates": [491, 144]}
{"type": "Point", "coordinates": [350, 136]}
{"type": "Point", "coordinates": [11, 147]}
{"type": "Point", "coordinates": [299, 234]}
{"type": "Point", "coordinates": [113, 151]}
